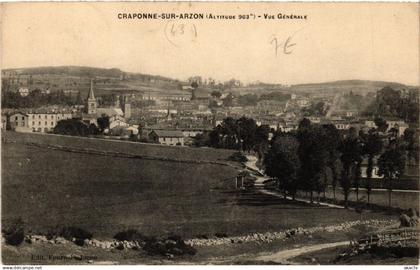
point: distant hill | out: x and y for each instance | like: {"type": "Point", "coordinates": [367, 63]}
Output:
{"type": "Point", "coordinates": [350, 83]}
{"type": "Point", "coordinates": [77, 78]}
{"type": "Point", "coordinates": [79, 71]}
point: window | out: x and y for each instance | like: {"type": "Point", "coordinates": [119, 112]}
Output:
{"type": "Point", "coordinates": [39, 116]}
{"type": "Point", "coordinates": [39, 123]}
{"type": "Point", "coordinates": [33, 123]}
{"type": "Point", "coordinates": [52, 116]}
{"type": "Point", "coordinates": [46, 123]}
{"type": "Point", "coordinates": [16, 118]}
{"type": "Point", "coordinates": [33, 116]}
{"type": "Point", "coordinates": [23, 118]}
{"type": "Point", "coordinates": [45, 116]}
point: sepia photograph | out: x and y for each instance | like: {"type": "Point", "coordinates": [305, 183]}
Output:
{"type": "Point", "coordinates": [209, 133]}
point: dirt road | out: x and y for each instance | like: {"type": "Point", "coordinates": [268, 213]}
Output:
{"type": "Point", "coordinates": [286, 256]}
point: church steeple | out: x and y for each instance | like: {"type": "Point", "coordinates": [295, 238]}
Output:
{"type": "Point", "coordinates": [91, 102]}
{"type": "Point", "coordinates": [91, 95]}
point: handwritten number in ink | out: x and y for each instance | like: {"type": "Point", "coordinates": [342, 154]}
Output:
{"type": "Point", "coordinates": [179, 33]}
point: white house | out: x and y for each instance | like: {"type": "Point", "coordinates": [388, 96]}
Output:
{"type": "Point", "coordinates": [24, 92]}
{"type": "Point", "coordinates": [45, 122]}
{"type": "Point", "coordinates": [117, 121]}
{"type": "Point", "coordinates": [167, 137]}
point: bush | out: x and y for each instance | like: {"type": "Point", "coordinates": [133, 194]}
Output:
{"type": "Point", "coordinates": [14, 234]}
{"type": "Point", "coordinates": [202, 236]}
{"type": "Point", "coordinates": [238, 156]}
{"type": "Point", "coordinates": [220, 235]}
{"type": "Point", "coordinates": [75, 234]}
{"type": "Point", "coordinates": [171, 245]}
{"type": "Point", "coordinates": [130, 235]}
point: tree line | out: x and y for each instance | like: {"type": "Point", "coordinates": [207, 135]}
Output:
{"type": "Point", "coordinates": [390, 102]}
{"type": "Point", "coordinates": [302, 160]}
{"type": "Point", "coordinates": [37, 99]}
{"type": "Point", "coordinates": [315, 156]}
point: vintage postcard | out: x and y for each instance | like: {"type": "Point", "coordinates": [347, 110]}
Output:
{"type": "Point", "coordinates": [216, 133]}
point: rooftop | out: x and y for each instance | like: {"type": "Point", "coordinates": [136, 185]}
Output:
{"type": "Point", "coordinates": [168, 133]}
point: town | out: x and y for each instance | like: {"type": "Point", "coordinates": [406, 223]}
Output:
{"type": "Point", "coordinates": [191, 109]}
{"type": "Point", "coordinates": [337, 145]}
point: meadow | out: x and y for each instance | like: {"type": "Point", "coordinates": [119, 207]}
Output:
{"type": "Point", "coordinates": [106, 194]}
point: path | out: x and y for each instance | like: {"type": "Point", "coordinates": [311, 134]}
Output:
{"type": "Point", "coordinates": [261, 178]}
{"type": "Point", "coordinates": [285, 256]}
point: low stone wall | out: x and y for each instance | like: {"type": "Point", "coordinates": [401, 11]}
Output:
{"type": "Point", "coordinates": [255, 237]}
{"type": "Point", "coordinates": [271, 236]}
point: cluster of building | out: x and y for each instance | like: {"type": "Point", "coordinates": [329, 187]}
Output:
{"type": "Point", "coordinates": [175, 117]}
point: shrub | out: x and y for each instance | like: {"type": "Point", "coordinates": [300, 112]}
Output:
{"type": "Point", "coordinates": [75, 234]}
{"type": "Point", "coordinates": [130, 235]}
{"type": "Point", "coordinates": [220, 235]}
{"type": "Point", "coordinates": [202, 236]}
{"type": "Point", "coordinates": [14, 234]}
{"type": "Point", "coordinates": [171, 245]}
{"type": "Point", "coordinates": [238, 156]}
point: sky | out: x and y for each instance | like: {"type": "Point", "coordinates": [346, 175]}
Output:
{"type": "Point", "coordinates": [337, 41]}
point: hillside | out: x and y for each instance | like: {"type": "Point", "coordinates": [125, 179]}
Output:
{"type": "Point", "coordinates": [356, 86]}
{"type": "Point", "coordinates": [74, 78]}
{"type": "Point", "coordinates": [325, 88]}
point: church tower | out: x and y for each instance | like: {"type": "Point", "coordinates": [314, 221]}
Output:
{"type": "Point", "coordinates": [91, 102]}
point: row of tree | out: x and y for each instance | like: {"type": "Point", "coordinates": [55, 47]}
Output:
{"type": "Point", "coordinates": [248, 99]}
{"type": "Point", "coordinates": [390, 102]}
{"type": "Point", "coordinates": [242, 134]}
{"type": "Point", "coordinates": [304, 160]}
{"type": "Point", "coordinates": [37, 99]}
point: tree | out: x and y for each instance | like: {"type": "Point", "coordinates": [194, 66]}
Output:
{"type": "Point", "coordinates": [201, 139]}
{"type": "Point", "coordinates": [194, 85]}
{"type": "Point", "coordinates": [213, 104]}
{"type": "Point", "coordinates": [381, 124]}
{"type": "Point", "coordinates": [93, 129]}
{"type": "Point", "coordinates": [261, 140]}
{"type": "Point", "coordinates": [351, 157]}
{"type": "Point", "coordinates": [411, 144]}
{"type": "Point", "coordinates": [245, 132]}
{"type": "Point", "coordinates": [216, 94]}
{"type": "Point", "coordinates": [372, 146]}
{"type": "Point", "coordinates": [79, 98]}
{"type": "Point", "coordinates": [228, 132]}
{"type": "Point", "coordinates": [248, 100]}
{"type": "Point", "coordinates": [282, 162]}
{"type": "Point", "coordinates": [313, 156]}
{"type": "Point", "coordinates": [391, 165]}
{"type": "Point", "coordinates": [278, 96]}
{"type": "Point", "coordinates": [215, 137]}
{"type": "Point", "coordinates": [103, 122]}
{"type": "Point", "coordinates": [71, 127]}
{"type": "Point", "coordinates": [304, 123]}
{"type": "Point", "coordinates": [228, 100]}
{"type": "Point", "coordinates": [333, 137]}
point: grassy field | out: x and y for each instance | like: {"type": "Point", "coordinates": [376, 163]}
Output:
{"type": "Point", "coordinates": [154, 150]}
{"type": "Point", "coordinates": [105, 194]}
{"type": "Point", "coordinates": [399, 199]}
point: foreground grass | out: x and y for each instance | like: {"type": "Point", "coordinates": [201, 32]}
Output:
{"type": "Point", "coordinates": [245, 253]}
{"type": "Point", "coordinates": [153, 150]}
{"type": "Point", "coordinates": [400, 199]}
{"type": "Point", "coordinates": [105, 195]}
